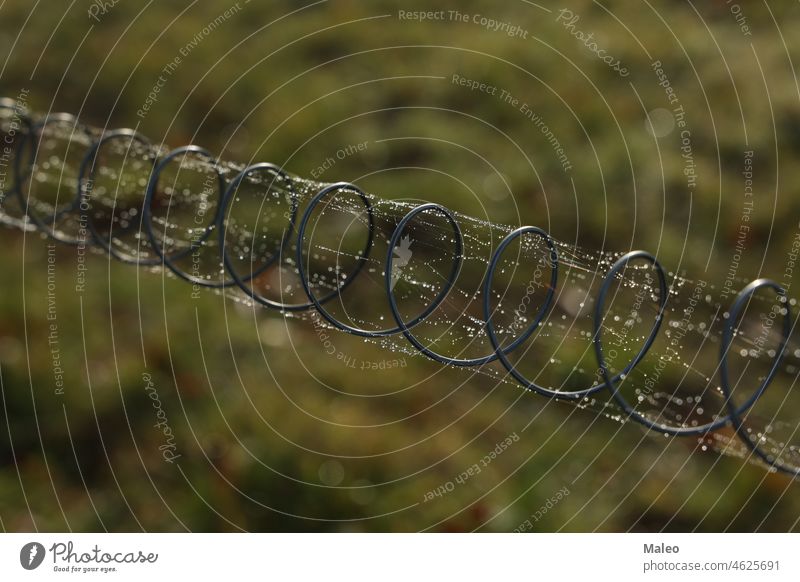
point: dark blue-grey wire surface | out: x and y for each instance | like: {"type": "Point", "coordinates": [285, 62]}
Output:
{"type": "Point", "coordinates": [31, 132]}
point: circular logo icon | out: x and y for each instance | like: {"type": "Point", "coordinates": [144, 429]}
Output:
{"type": "Point", "coordinates": [31, 555]}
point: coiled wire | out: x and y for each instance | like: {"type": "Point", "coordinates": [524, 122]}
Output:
{"type": "Point", "coordinates": [79, 208]}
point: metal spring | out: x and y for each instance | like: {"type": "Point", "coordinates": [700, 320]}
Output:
{"type": "Point", "coordinates": [31, 132]}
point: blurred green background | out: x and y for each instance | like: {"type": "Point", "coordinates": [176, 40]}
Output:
{"type": "Point", "coordinates": [273, 434]}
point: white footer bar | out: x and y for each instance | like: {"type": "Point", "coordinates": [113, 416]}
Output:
{"type": "Point", "coordinates": [401, 557]}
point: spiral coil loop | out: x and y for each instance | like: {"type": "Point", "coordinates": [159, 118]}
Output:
{"type": "Point", "coordinates": [86, 180]}
{"type": "Point", "coordinates": [23, 124]}
{"type": "Point", "coordinates": [361, 260]}
{"type": "Point", "coordinates": [71, 206]}
{"type": "Point", "coordinates": [735, 413]}
{"type": "Point", "coordinates": [78, 207]}
{"type": "Point", "coordinates": [227, 199]}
